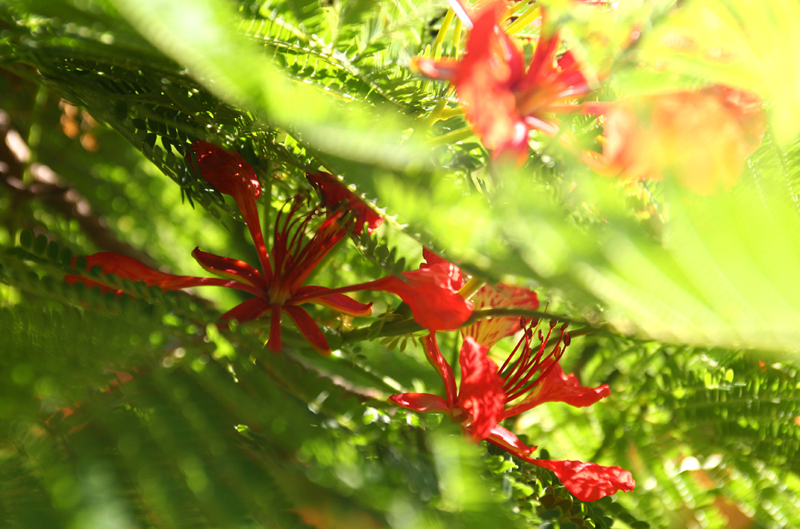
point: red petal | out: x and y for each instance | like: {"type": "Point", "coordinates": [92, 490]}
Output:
{"type": "Point", "coordinates": [227, 171]}
{"type": "Point", "coordinates": [125, 267]}
{"type": "Point", "coordinates": [588, 481]}
{"type": "Point", "coordinates": [431, 348]}
{"type": "Point", "coordinates": [231, 269]}
{"type": "Point", "coordinates": [558, 387]}
{"type": "Point", "coordinates": [421, 402]}
{"type": "Point", "coordinates": [335, 193]}
{"type": "Point", "coordinates": [230, 174]}
{"type": "Point", "coordinates": [431, 259]}
{"type": "Point", "coordinates": [485, 81]}
{"type": "Point", "coordinates": [509, 442]}
{"type": "Point", "coordinates": [436, 306]}
{"type": "Point", "coordinates": [489, 331]}
{"type": "Point", "coordinates": [248, 310]}
{"type": "Point", "coordinates": [338, 302]}
{"type": "Point", "coordinates": [481, 393]}
{"type": "Point", "coordinates": [308, 328]}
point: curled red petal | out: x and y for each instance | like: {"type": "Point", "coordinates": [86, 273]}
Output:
{"type": "Point", "coordinates": [431, 259]}
{"type": "Point", "coordinates": [308, 328]}
{"type": "Point", "coordinates": [489, 331]}
{"type": "Point", "coordinates": [421, 402]}
{"type": "Point", "coordinates": [338, 302]}
{"type": "Point", "coordinates": [431, 348]}
{"type": "Point", "coordinates": [436, 306]}
{"type": "Point", "coordinates": [588, 481]}
{"type": "Point", "coordinates": [230, 174]}
{"type": "Point", "coordinates": [125, 267]}
{"type": "Point", "coordinates": [558, 387]}
{"type": "Point", "coordinates": [230, 268]}
{"type": "Point", "coordinates": [481, 393]}
{"type": "Point", "coordinates": [335, 193]}
{"type": "Point", "coordinates": [509, 442]}
{"type": "Point", "coordinates": [248, 310]}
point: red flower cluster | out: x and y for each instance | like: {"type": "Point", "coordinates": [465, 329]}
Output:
{"type": "Point", "coordinates": [278, 287]}
{"type": "Point", "coordinates": [528, 377]}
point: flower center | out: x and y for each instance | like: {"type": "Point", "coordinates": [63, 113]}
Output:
{"type": "Point", "coordinates": [525, 361]}
{"type": "Point", "coordinates": [294, 255]}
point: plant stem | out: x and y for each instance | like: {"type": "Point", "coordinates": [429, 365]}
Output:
{"type": "Point", "coordinates": [409, 326]}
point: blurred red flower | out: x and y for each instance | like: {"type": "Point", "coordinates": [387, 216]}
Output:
{"type": "Point", "coordinates": [488, 331]}
{"type": "Point", "coordinates": [702, 138]}
{"type": "Point", "coordinates": [502, 101]}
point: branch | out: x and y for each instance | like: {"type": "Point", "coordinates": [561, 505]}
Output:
{"type": "Point", "coordinates": [410, 326]}
{"type": "Point", "coordinates": [49, 189]}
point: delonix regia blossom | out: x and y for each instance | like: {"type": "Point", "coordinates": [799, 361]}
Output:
{"type": "Point", "coordinates": [298, 246]}
{"type": "Point", "coordinates": [702, 137]}
{"type": "Point", "coordinates": [529, 377]}
{"type": "Point", "coordinates": [501, 100]}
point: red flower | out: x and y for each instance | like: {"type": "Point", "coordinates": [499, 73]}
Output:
{"type": "Point", "coordinates": [701, 137]}
{"type": "Point", "coordinates": [488, 331]}
{"type": "Point", "coordinates": [501, 100]}
{"type": "Point", "coordinates": [278, 287]}
{"type": "Point", "coordinates": [334, 194]}
{"type": "Point", "coordinates": [529, 377]}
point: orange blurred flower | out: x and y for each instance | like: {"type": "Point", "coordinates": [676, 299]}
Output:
{"type": "Point", "coordinates": [702, 137]}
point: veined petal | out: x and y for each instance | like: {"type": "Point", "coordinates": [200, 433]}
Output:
{"type": "Point", "coordinates": [489, 331]}
{"type": "Point", "coordinates": [431, 348]}
{"type": "Point", "coordinates": [509, 442]}
{"type": "Point", "coordinates": [481, 393]}
{"type": "Point", "coordinates": [421, 402]}
{"type": "Point", "coordinates": [229, 268]}
{"type": "Point", "coordinates": [558, 387]}
{"type": "Point", "coordinates": [230, 174]}
{"type": "Point", "coordinates": [308, 328]}
{"type": "Point", "coordinates": [338, 302]}
{"type": "Point", "coordinates": [125, 267]}
{"type": "Point", "coordinates": [248, 310]}
{"type": "Point", "coordinates": [335, 193]}
{"type": "Point", "coordinates": [588, 481]}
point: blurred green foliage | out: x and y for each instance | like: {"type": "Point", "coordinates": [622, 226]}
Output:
{"type": "Point", "coordinates": [119, 413]}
